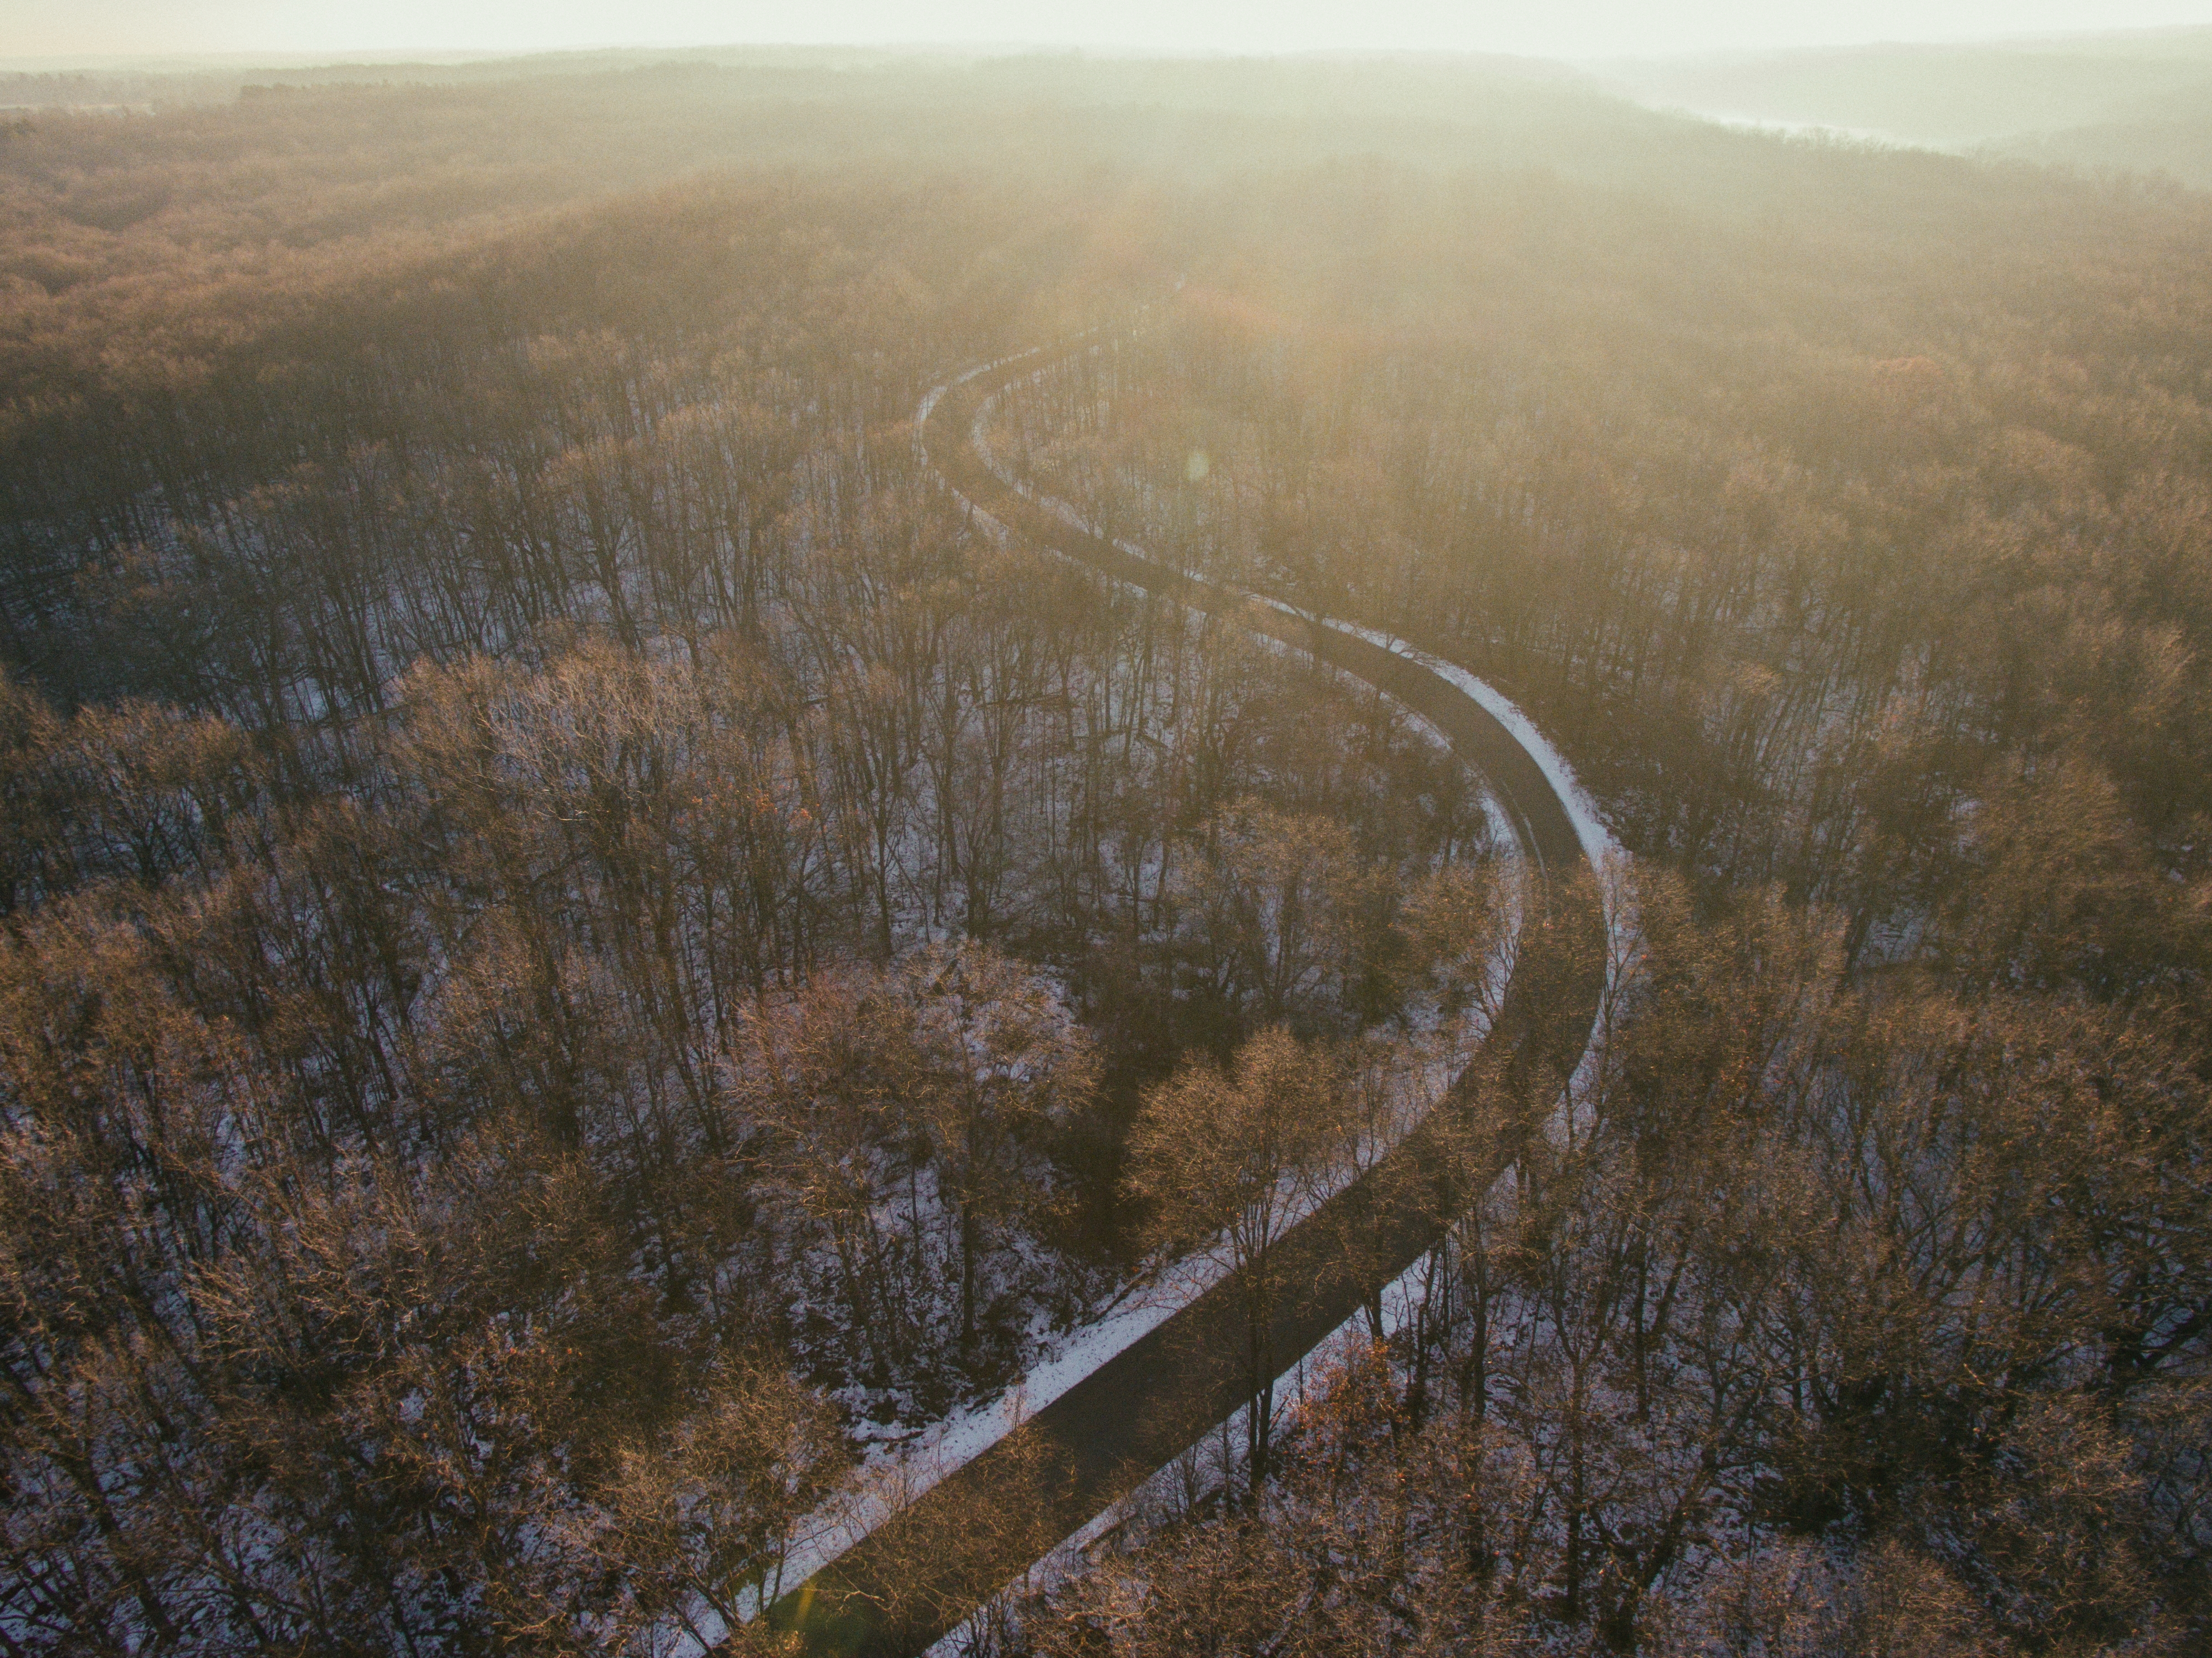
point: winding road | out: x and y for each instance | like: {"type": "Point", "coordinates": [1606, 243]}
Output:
{"type": "Point", "coordinates": [922, 1571]}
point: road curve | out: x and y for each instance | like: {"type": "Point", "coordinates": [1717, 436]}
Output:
{"type": "Point", "coordinates": [923, 1570]}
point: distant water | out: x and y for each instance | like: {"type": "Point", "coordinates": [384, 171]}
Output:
{"type": "Point", "coordinates": [1805, 129]}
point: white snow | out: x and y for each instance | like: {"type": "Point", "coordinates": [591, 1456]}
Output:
{"type": "Point", "coordinates": [960, 1439]}
{"type": "Point", "coordinates": [1608, 858]}
{"type": "Point", "coordinates": [1156, 1494]}
{"type": "Point", "coordinates": [1597, 843]}
{"type": "Point", "coordinates": [895, 1475]}
{"type": "Point", "coordinates": [901, 1473]}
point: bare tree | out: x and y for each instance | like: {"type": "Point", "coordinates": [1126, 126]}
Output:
{"type": "Point", "coordinates": [1231, 1158]}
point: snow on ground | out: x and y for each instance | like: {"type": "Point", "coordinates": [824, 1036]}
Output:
{"type": "Point", "coordinates": [895, 1475]}
{"type": "Point", "coordinates": [1202, 1469]}
{"type": "Point", "coordinates": [1606, 856]}
{"type": "Point", "coordinates": [1597, 843]}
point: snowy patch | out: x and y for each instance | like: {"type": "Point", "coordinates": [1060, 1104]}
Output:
{"type": "Point", "coordinates": [897, 1475]}
{"type": "Point", "coordinates": [1597, 843]}
{"type": "Point", "coordinates": [1196, 1474]}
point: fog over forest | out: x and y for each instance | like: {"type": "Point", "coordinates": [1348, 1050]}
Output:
{"type": "Point", "coordinates": [812, 848]}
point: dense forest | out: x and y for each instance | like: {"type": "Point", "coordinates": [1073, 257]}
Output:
{"type": "Point", "coordinates": [582, 949]}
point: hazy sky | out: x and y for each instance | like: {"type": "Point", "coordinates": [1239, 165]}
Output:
{"type": "Point", "coordinates": [1582, 28]}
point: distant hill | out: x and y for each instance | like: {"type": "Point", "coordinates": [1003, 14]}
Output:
{"type": "Point", "coordinates": [2141, 102]}
{"type": "Point", "coordinates": [2170, 135]}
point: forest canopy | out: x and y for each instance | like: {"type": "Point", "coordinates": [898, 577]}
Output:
{"type": "Point", "coordinates": [585, 951]}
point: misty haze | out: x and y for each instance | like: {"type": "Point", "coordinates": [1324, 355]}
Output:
{"type": "Point", "coordinates": [1106, 832]}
